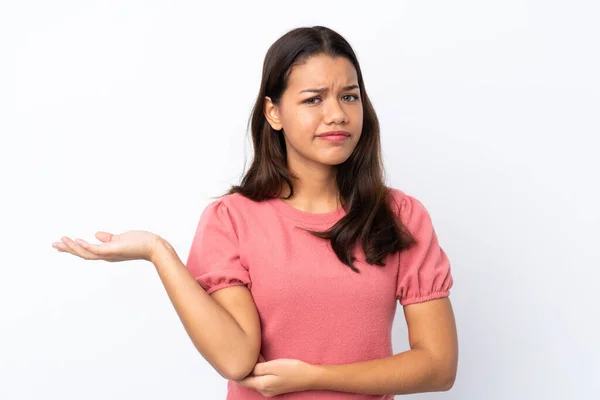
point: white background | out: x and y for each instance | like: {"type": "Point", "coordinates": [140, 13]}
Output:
{"type": "Point", "coordinates": [120, 115]}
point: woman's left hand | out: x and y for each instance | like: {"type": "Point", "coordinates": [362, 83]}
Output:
{"type": "Point", "coordinates": [279, 376]}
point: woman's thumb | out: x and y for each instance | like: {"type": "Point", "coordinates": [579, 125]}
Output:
{"type": "Point", "coordinates": [104, 237]}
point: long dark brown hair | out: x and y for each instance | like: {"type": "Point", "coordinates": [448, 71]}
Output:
{"type": "Point", "coordinates": [369, 218]}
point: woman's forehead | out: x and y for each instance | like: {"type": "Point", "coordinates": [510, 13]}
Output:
{"type": "Point", "coordinates": [322, 71]}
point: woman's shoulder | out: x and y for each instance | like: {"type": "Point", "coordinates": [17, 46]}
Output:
{"type": "Point", "coordinates": [404, 205]}
{"type": "Point", "coordinates": [234, 200]}
{"type": "Point", "coordinates": [396, 199]}
{"type": "Point", "coordinates": [396, 194]}
{"type": "Point", "coordinates": [235, 205]}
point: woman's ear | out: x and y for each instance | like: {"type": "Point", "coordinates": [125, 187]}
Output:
{"type": "Point", "coordinates": [272, 114]}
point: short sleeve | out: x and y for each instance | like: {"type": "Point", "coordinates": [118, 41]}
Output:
{"type": "Point", "coordinates": [214, 258]}
{"type": "Point", "coordinates": [424, 271]}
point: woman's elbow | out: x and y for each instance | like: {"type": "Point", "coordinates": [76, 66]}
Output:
{"type": "Point", "coordinates": [446, 379]}
{"type": "Point", "coordinates": [242, 368]}
{"type": "Point", "coordinates": [448, 383]}
{"type": "Point", "coordinates": [235, 375]}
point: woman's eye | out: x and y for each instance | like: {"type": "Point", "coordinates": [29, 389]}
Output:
{"type": "Point", "coordinates": [312, 99]}
{"type": "Point", "coordinates": [309, 101]}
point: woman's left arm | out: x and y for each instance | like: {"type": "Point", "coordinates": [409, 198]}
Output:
{"type": "Point", "coordinates": [429, 366]}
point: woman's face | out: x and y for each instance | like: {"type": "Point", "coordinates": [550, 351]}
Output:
{"type": "Point", "coordinates": [322, 96]}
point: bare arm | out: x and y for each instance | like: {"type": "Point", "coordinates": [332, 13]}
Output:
{"type": "Point", "coordinates": [430, 365]}
{"type": "Point", "coordinates": [223, 326]}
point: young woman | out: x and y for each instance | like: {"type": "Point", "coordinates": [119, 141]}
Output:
{"type": "Point", "coordinates": [293, 277]}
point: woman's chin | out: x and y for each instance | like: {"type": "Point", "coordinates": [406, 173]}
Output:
{"type": "Point", "coordinates": [332, 161]}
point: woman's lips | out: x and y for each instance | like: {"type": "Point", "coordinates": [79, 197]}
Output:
{"type": "Point", "coordinates": [334, 138]}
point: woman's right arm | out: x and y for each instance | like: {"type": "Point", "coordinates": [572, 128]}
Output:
{"type": "Point", "coordinates": [224, 326]}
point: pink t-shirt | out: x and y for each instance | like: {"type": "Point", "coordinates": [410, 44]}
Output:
{"type": "Point", "coordinates": [312, 307]}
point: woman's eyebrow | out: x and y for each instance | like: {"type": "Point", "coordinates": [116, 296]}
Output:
{"type": "Point", "coordinates": [322, 90]}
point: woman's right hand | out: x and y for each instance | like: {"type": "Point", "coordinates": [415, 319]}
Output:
{"type": "Point", "coordinates": [131, 245]}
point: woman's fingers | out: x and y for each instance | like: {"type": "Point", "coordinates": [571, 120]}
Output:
{"type": "Point", "coordinates": [96, 249]}
{"type": "Point", "coordinates": [108, 251]}
{"type": "Point", "coordinates": [60, 246]}
{"type": "Point", "coordinates": [131, 245]}
{"type": "Point", "coordinates": [77, 250]}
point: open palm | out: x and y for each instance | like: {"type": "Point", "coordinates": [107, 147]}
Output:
{"type": "Point", "coordinates": [131, 245]}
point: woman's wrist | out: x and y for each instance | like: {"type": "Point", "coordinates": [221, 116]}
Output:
{"type": "Point", "coordinates": [160, 247]}
{"type": "Point", "coordinates": [315, 377]}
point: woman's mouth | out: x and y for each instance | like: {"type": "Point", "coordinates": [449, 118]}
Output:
{"type": "Point", "coordinates": [338, 136]}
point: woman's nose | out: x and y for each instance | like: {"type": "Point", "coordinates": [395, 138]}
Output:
{"type": "Point", "coordinates": [334, 113]}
